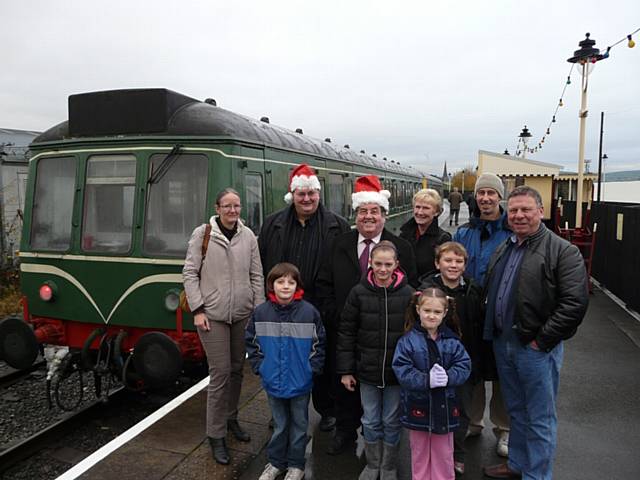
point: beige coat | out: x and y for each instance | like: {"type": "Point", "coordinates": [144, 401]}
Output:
{"type": "Point", "coordinates": [231, 283]}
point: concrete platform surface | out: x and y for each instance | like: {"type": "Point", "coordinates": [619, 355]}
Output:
{"type": "Point", "coordinates": [598, 409]}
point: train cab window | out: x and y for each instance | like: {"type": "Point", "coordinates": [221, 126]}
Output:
{"type": "Point", "coordinates": [336, 193]}
{"type": "Point", "coordinates": [176, 204]}
{"type": "Point", "coordinates": [253, 203]}
{"type": "Point", "coordinates": [53, 203]}
{"type": "Point", "coordinates": [108, 203]}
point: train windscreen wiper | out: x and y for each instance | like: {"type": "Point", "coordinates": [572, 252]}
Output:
{"type": "Point", "coordinates": [166, 164]}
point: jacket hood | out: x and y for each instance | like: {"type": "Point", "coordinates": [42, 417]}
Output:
{"type": "Point", "coordinates": [436, 279]}
{"type": "Point", "coordinates": [299, 293]}
{"type": "Point", "coordinates": [498, 224]}
{"type": "Point", "coordinates": [399, 279]}
{"type": "Point", "coordinates": [214, 224]}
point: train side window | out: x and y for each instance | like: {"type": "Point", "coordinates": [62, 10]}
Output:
{"type": "Point", "coordinates": [323, 191]}
{"type": "Point", "coordinates": [336, 193]}
{"type": "Point", "coordinates": [53, 203]}
{"type": "Point", "coordinates": [253, 195]}
{"type": "Point", "coordinates": [348, 210]}
{"type": "Point", "coordinates": [176, 204]}
{"type": "Point", "coordinates": [108, 203]}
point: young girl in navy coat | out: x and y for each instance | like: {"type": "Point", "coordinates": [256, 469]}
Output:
{"type": "Point", "coordinates": [429, 363]}
{"type": "Point", "coordinates": [285, 344]}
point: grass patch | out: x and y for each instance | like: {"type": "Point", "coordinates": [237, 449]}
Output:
{"type": "Point", "coordinates": [9, 293]}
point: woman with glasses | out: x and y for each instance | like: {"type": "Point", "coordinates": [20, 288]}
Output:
{"type": "Point", "coordinates": [222, 291]}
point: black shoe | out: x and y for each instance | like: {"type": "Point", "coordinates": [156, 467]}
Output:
{"type": "Point", "coordinates": [237, 431]}
{"type": "Point", "coordinates": [220, 452]}
{"type": "Point", "coordinates": [327, 423]}
{"type": "Point", "coordinates": [341, 442]}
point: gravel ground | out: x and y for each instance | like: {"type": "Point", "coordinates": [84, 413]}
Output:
{"type": "Point", "coordinates": [24, 412]}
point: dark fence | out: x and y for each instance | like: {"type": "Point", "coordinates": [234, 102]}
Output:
{"type": "Point", "coordinates": [616, 263]}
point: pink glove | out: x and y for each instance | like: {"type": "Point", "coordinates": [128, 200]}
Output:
{"type": "Point", "coordinates": [438, 377]}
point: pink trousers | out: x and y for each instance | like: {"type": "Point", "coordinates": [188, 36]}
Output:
{"type": "Point", "coordinates": [431, 456]}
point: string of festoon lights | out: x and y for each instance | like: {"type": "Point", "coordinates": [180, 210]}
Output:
{"type": "Point", "coordinates": [540, 143]}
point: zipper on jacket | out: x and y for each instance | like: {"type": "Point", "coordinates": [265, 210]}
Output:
{"type": "Point", "coordinates": [386, 334]}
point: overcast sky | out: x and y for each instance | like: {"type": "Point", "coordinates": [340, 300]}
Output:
{"type": "Point", "coordinates": [421, 82]}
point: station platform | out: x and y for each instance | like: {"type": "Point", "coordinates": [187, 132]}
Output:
{"type": "Point", "coordinates": [598, 430]}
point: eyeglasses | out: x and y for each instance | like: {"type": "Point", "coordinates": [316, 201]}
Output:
{"type": "Point", "coordinates": [230, 207]}
{"type": "Point", "coordinates": [363, 212]}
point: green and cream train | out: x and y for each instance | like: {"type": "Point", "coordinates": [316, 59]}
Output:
{"type": "Point", "coordinates": [113, 195]}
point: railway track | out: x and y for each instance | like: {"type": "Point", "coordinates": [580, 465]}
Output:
{"type": "Point", "coordinates": [23, 449]}
{"type": "Point", "coordinates": [16, 375]}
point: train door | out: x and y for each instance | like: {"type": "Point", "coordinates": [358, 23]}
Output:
{"type": "Point", "coordinates": [255, 188]}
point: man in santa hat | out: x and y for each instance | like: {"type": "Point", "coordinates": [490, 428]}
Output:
{"type": "Point", "coordinates": [341, 271]}
{"type": "Point", "coordinates": [301, 234]}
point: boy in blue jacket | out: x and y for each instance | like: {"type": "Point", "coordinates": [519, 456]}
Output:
{"type": "Point", "coordinates": [285, 343]}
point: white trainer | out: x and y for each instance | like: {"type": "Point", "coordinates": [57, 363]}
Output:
{"type": "Point", "coordinates": [270, 472]}
{"type": "Point", "coordinates": [294, 474]}
{"type": "Point", "coordinates": [502, 447]}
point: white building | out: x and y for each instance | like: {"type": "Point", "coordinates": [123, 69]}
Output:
{"type": "Point", "coordinates": [14, 164]}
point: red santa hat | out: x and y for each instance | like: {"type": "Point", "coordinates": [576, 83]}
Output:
{"type": "Point", "coordinates": [368, 189]}
{"type": "Point", "coordinates": [302, 176]}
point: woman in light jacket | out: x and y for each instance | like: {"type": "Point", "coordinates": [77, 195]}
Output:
{"type": "Point", "coordinates": [222, 292]}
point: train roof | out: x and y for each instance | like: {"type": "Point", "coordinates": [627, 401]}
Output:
{"type": "Point", "coordinates": [162, 112]}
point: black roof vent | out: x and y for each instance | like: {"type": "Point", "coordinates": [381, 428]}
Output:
{"type": "Point", "coordinates": [120, 112]}
{"type": "Point", "coordinates": [264, 119]}
{"type": "Point", "coordinates": [299, 130]}
{"type": "Point", "coordinates": [374, 155]}
{"type": "Point", "coordinates": [328, 140]}
{"type": "Point", "coordinates": [211, 101]}
{"type": "Point", "coordinates": [384, 158]}
{"type": "Point", "coordinates": [346, 145]}
{"type": "Point", "coordinates": [362, 151]}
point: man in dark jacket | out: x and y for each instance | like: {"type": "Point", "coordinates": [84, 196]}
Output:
{"type": "Point", "coordinates": [341, 271]}
{"type": "Point", "coordinates": [455, 199]}
{"type": "Point", "coordinates": [302, 234]}
{"type": "Point", "coordinates": [536, 296]}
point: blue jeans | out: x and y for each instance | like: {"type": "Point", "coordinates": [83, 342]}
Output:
{"type": "Point", "coordinates": [289, 440]}
{"type": "Point", "coordinates": [529, 382]}
{"type": "Point", "coordinates": [381, 413]}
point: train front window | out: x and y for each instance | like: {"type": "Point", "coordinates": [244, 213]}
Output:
{"type": "Point", "coordinates": [108, 203]}
{"type": "Point", "coordinates": [53, 203]}
{"type": "Point", "coordinates": [176, 204]}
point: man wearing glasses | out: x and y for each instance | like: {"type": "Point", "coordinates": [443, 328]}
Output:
{"type": "Point", "coordinates": [301, 234]}
{"type": "Point", "coordinates": [347, 262]}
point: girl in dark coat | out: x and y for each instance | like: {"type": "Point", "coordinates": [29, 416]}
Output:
{"type": "Point", "coordinates": [372, 321]}
{"type": "Point", "coordinates": [430, 362]}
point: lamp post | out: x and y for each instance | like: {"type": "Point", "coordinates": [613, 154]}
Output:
{"type": "Point", "coordinates": [449, 175]}
{"type": "Point", "coordinates": [587, 55]}
{"type": "Point", "coordinates": [463, 182]}
{"type": "Point", "coordinates": [524, 136]}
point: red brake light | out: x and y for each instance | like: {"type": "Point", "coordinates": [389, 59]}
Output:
{"type": "Point", "coordinates": [46, 293]}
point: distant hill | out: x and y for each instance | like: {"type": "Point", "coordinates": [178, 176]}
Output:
{"type": "Point", "coordinates": [627, 176]}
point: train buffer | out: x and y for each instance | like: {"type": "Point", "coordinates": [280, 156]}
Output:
{"type": "Point", "coordinates": [598, 431]}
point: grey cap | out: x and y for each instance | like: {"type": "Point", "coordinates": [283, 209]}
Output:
{"type": "Point", "coordinates": [489, 180]}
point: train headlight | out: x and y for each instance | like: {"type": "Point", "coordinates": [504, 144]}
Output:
{"type": "Point", "coordinates": [172, 300]}
{"type": "Point", "coordinates": [48, 291]}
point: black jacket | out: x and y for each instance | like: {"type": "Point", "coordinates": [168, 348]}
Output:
{"type": "Point", "coordinates": [424, 247]}
{"type": "Point", "coordinates": [371, 324]}
{"type": "Point", "coordinates": [272, 241]}
{"type": "Point", "coordinates": [468, 307]}
{"type": "Point", "coordinates": [340, 272]}
{"type": "Point", "coordinates": [551, 290]}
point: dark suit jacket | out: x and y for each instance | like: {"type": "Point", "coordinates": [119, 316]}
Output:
{"type": "Point", "coordinates": [340, 272]}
